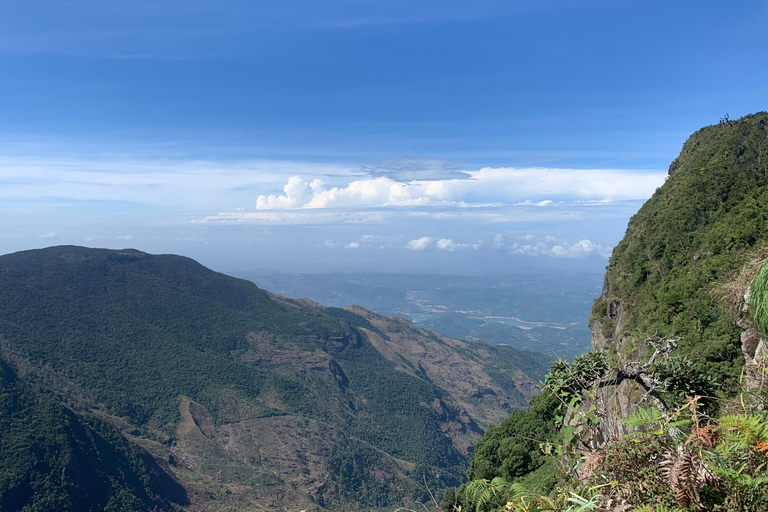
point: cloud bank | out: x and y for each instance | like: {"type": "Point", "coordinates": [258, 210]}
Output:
{"type": "Point", "coordinates": [488, 186]}
{"type": "Point", "coordinates": [526, 245]}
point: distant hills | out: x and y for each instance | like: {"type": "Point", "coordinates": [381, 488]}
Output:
{"type": "Point", "coordinates": [132, 381]}
{"type": "Point", "coordinates": [547, 313]}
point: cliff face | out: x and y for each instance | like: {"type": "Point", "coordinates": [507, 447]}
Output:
{"type": "Point", "coordinates": [676, 284]}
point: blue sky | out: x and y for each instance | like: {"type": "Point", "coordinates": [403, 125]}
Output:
{"type": "Point", "coordinates": [326, 135]}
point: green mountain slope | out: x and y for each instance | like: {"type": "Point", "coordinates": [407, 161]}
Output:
{"type": "Point", "coordinates": [54, 459]}
{"type": "Point", "coordinates": [209, 372]}
{"type": "Point", "coordinates": [676, 385]}
{"type": "Point", "coordinates": [702, 225]}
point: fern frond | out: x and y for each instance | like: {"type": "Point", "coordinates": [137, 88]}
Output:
{"type": "Point", "coordinates": [744, 431]}
{"type": "Point", "coordinates": [481, 492]}
{"type": "Point", "coordinates": [686, 475]}
{"type": "Point", "coordinates": [705, 437]}
{"type": "Point", "coordinates": [644, 418]}
{"type": "Point", "coordinates": [656, 508]}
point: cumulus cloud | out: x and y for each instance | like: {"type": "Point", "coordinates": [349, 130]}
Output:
{"type": "Point", "coordinates": [527, 245]}
{"type": "Point", "coordinates": [427, 243]}
{"type": "Point", "coordinates": [531, 245]}
{"type": "Point", "coordinates": [537, 249]}
{"type": "Point", "coordinates": [424, 243]}
{"type": "Point", "coordinates": [297, 193]}
{"type": "Point", "coordinates": [446, 244]}
{"type": "Point", "coordinates": [366, 242]}
{"type": "Point", "coordinates": [152, 182]}
{"type": "Point", "coordinates": [579, 249]}
{"type": "Point", "coordinates": [485, 187]}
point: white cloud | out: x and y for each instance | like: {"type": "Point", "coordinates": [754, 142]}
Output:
{"type": "Point", "coordinates": [48, 235]}
{"type": "Point", "coordinates": [409, 168]}
{"type": "Point", "coordinates": [297, 193]}
{"type": "Point", "coordinates": [124, 237]}
{"type": "Point", "coordinates": [528, 202]}
{"type": "Point", "coordinates": [424, 243]}
{"type": "Point", "coordinates": [427, 243]}
{"type": "Point", "coordinates": [528, 249]}
{"type": "Point", "coordinates": [151, 182]}
{"type": "Point", "coordinates": [549, 246]}
{"type": "Point", "coordinates": [296, 217]}
{"type": "Point", "coordinates": [193, 238]}
{"type": "Point", "coordinates": [580, 249]}
{"type": "Point", "coordinates": [446, 244]}
{"type": "Point", "coordinates": [306, 193]}
{"type": "Point", "coordinates": [485, 187]}
{"type": "Point", "coordinates": [364, 242]}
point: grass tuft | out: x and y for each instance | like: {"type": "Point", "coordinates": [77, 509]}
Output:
{"type": "Point", "coordinates": [729, 294]}
{"type": "Point", "coordinates": [758, 300]}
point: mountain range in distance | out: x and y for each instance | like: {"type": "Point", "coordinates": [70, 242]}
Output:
{"type": "Point", "coordinates": [547, 313]}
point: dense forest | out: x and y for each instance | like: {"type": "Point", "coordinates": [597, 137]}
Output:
{"type": "Point", "coordinates": [670, 410]}
{"type": "Point", "coordinates": [200, 371]}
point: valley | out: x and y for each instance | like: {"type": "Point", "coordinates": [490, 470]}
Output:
{"type": "Point", "coordinates": [537, 312]}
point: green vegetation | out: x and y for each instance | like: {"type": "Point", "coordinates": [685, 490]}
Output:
{"type": "Point", "coordinates": [512, 449]}
{"type": "Point", "coordinates": [691, 235]}
{"type": "Point", "coordinates": [54, 459]}
{"type": "Point", "coordinates": [681, 459]}
{"type": "Point", "coordinates": [674, 289]}
{"type": "Point", "coordinates": [126, 334]}
{"type": "Point", "coordinates": [758, 300]}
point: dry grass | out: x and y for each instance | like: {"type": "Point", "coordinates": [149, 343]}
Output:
{"type": "Point", "coordinates": [730, 294]}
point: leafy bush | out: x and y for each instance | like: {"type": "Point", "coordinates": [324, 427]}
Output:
{"type": "Point", "coordinates": [569, 381]}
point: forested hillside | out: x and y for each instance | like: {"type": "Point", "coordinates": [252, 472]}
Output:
{"type": "Point", "coordinates": [705, 223]}
{"type": "Point", "coordinates": [247, 399]}
{"type": "Point", "coordinates": [669, 410]}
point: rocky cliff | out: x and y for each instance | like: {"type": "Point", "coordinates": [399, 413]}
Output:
{"type": "Point", "coordinates": [676, 286]}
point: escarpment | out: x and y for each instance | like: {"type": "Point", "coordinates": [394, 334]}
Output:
{"type": "Point", "coordinates": [675, 297]}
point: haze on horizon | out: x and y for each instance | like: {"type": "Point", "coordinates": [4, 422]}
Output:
{"type": "Point", "coordinates": [356, 135]}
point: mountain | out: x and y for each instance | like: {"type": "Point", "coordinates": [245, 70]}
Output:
{"type": "Point", "coordinates": [686, 261]}
{"type": "Point", "coordinates": [230, 396]}
{"type": "Point", "coordinates": [670, 409]}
